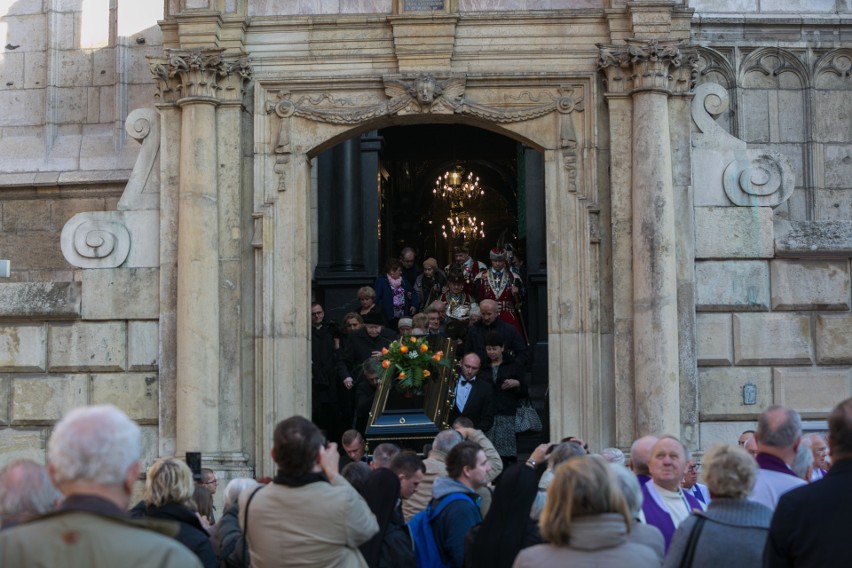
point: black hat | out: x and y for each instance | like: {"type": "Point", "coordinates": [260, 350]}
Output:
{"type": "Point", "coordinates": [372, 318]}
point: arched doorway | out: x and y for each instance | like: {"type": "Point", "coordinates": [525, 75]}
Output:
{"type": "Point", "coordinates": [302, 118]}
{"type": "Point", "coordinates": [374, 196]}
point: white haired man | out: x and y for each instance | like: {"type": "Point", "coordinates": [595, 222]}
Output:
{"type": "Point", "coordinates": [26, 492]}
{"type": "Point", "coordinates": [93, 459]}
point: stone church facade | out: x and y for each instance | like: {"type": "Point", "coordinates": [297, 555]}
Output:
{"type": "Point", "coordinates": [159, 202]}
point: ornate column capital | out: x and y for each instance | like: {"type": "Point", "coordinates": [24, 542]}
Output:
{"type": "Point", "coordinates": [206, 75]}
{"type": "Point", "coordinates": [639, 65]}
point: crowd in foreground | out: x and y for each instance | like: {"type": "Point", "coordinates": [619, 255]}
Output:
{"type": "Point", "coordinates": [457, 507]}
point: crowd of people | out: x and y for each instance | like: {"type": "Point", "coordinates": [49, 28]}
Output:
{"type": "Point", "coordinates": [459, 507]}
{"type": "Point", "coordinates": [475, 307]}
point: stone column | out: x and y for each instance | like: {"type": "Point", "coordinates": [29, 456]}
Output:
{"type": "Point", "coordinates": [642, 69]}
{"type": "Point", "coordinates": [196, 81]}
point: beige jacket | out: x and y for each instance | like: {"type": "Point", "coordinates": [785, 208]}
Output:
{"type": "Point", "coordinates": [78, 538]}
{"type": "Point", "coordinates": [318, 525]}
{"type": "Point", "coordinates": [436, 467]}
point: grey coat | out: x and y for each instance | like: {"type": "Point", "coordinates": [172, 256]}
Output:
{"type": "Point", "coordinates": [733, 535]}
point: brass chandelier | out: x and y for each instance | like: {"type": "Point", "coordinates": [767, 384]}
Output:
{"type": "Point", "coordinates": [460, 191]}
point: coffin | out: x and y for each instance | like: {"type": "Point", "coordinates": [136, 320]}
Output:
{"type": "Point", "coordinates": [410, 421]}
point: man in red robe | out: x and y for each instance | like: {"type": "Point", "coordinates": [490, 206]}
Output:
{"type": "Point", "coordinates": [503, 286]}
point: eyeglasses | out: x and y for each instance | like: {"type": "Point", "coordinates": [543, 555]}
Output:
{"type": "Point", "coordinates": [317, 314]}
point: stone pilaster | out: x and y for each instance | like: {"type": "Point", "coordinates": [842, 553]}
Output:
{"type": "Point", "coordinates": [642, 71]}
{"type": "Point", "coordinates": [197, 82]}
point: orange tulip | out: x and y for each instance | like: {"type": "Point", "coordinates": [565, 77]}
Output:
{"type": "Point", "coordinates": [403, 349]}
{"type": "Point", "coordinates": [424, 348]}
{"type": "Point", "coordinates": [385, 363]}
{"type": "Point", "coordinates": [413, 339]}
{"type": "Point", "coordinates": [426, 373]}
{"type": "Point", "coordinates": [401, 375]}
{"type": "Point", "coordinates": [384, 350]}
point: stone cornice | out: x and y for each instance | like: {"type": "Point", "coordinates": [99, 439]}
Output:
{"type": "Point", "coordinates": [200, 74]}
{"type": "Point", "coordinates": [638, 65]}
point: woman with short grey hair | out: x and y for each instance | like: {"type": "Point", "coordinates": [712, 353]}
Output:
{"type": "Point", "coordinates": [227, 538]}
{"type": "Point", "coordinates": [733, 530]}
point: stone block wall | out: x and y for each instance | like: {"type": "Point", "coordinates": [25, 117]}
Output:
{"type": "Point", "coordinates": [59, 349]}
{"type": "Point", "coordinates": [782, 326]}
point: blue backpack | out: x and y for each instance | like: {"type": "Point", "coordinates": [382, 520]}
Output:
{"type": "Point", "coordinates": [422, 536]}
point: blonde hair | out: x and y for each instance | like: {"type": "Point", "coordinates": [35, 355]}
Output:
{"type": "Point", "coordinates": [169, 480]}
{"type": "Point", "coordinates": [580, 487]}
{"type": "Point", "coordinates": [729, 471]}
{"type": "Point", "coordinates": [366, 292]}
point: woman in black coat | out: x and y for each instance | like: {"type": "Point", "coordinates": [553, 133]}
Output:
{"type": "Point", "coordinates": [509, 388]}
{"type": "Point", "coordinates": [168, 495]}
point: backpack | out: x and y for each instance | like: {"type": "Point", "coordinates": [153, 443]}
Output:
{"type": "Point", "coordinates": [426, 549]}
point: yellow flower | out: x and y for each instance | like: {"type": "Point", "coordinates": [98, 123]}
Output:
{"type": "Point", "coordinates": [403, 349]}
{"type": "Point", "coordinates": [413, 339]}
{"type": "Point", "coordinates": [424, 348]}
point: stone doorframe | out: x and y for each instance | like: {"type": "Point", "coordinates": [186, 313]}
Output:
{"type": "Point", "coordinates": [296, 119]}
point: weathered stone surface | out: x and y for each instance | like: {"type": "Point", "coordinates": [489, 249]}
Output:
{"type": "Point", "coordinates": [714, 339]}
{"type": "Point", "coordinates": [4, 397]}
{"type": "Point", "coordinates": [721, 392]}
{"type": "Point", "coordinates": [771, 339]}
{"type": "Point", "coordinates": [121, 293]}
{"type": "Point", "coordinates": [23, 347]}
{"type": "Point", "coordinates": [810, 284]}
{"type": "Point", "coordinates": [813, 238]}
{"type": "Point", "coordinates": [46, 399]}
{"type": "Point", "coordinates": [20, 444]}
{"type": "Point", "coordinates": [49, 300]}
{"type": "Point", "coordinates": [150, 451]}
{"type": "Point", "coordinates": [732, 285]}
{"type": "Point", "coordinates": [813, 392]}
{"type": "Point", "coordinates": [134, 393]}
{"type": "Point", "coordinates": [834, 339]}
{"type": "Point", "coordinates": [733, 232]}
{"type": "Point", "coordinates": [87, 347]}
{"type": "Point", "coordinates": [143, 343]}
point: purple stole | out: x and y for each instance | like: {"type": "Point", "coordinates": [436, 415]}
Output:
{"type": "Point", "coordinates": [658, 515]}
{"type": "Point", "coordinates": [771, 463]}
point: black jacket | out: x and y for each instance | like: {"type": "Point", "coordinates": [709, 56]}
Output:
{"type": "Point", "coordinates": [810, 526]}
{"type": "Point", "coordinates": [192, 535]}
{"type": "Point", "coordinates": [515, 346]}
{"type": "Point", "coordinates": [479, 406]}
{"type": "Point", "coordinates": [505, 401]}
{"type": "Point", "coordinates": [228, 541]}
{"type": "Point", "coordinates": [359, 348]}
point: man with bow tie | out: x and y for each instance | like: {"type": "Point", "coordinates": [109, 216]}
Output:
{"type": "Point", "coordinates": [474, 398]}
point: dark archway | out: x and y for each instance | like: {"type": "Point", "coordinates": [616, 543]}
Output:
{"type": "Point", "coordinates": [374, 196]}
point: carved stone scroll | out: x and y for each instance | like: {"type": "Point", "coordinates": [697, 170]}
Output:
{"type": "Point", "coordinates": [143, 187]}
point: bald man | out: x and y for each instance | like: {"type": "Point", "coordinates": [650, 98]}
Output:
{"type": "Point", "coordinates": [640, 453]}
{"type": "Point", "coordinates": [474, 396]}
{"type": "Point", "coordinates": [779, 432]}
{"type": "Point", "coordinates": [489, 312]}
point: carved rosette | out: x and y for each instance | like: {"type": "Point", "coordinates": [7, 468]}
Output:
{"type": "Point", "coordinates": [200, 74]}
{"type": "Point", "coordinates": [640, 65]}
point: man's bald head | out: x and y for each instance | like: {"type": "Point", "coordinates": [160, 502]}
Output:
{"type": "Point", "coordinates": [640, 453]}
{"type": "Point", "coordinates": [779, 431]}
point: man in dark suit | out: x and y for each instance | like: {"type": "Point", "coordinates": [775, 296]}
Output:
{"type": "Point", "coordinates": [474, 397]}
{"type": "Point", "coordinates": [810, 526]}
{"type": "Point", "coordinates": [489, 321]}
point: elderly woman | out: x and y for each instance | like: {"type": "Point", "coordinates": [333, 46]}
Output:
{"type": "Point", "coordinates": [585, 521]}
{"type": "Point", "coordinates": [227, 537]}
{"type": "Point", "coordinates": [732, 531]}
{"type": "Point", "coordinates": [168, 496]}
{"type": "Point", "coordinates": [367, 301]}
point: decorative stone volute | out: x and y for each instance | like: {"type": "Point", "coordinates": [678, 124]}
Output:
{"type": "Point", "coordinates": [206, 74]}
{"type": "Point", "coordinates": [638, 65]}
